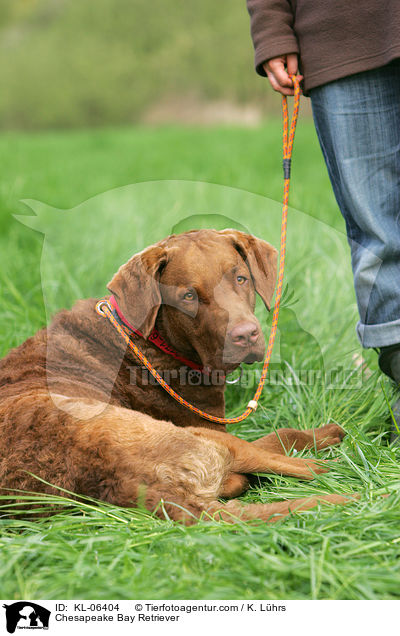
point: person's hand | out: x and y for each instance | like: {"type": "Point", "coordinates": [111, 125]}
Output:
{"type": "Point", "coordinates": [278, 70]}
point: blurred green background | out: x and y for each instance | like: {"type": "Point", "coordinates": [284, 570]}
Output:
{"type": "Point", "coordinates": [80, 63]}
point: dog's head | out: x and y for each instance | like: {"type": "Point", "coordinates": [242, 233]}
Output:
{"type": "Point", "coordinates": [200, 288]}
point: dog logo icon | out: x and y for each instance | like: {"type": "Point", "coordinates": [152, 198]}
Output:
{"type": "Point", "coordinates": [26, 615]}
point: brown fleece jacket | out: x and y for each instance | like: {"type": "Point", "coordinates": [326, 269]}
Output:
{"type": "Point", "coordinates": [334, 38]}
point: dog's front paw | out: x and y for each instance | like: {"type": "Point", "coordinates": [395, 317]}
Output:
{"type": "Point", "coordinates": [316, 467]}
{"type": "Point", "coordinates": [329, 435]}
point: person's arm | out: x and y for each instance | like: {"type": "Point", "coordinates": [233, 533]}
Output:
{"type": "Point", "coordinates": [275, 43]}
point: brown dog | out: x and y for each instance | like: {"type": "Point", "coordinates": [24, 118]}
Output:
{"type": "Point", "coordinates": [77, 410]}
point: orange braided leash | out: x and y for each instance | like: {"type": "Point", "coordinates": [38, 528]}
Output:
{"type": "Point", "coordinates": [104, 309]}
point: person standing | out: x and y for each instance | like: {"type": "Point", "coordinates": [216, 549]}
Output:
{"type": "Point", "coordinates": [347, 56]}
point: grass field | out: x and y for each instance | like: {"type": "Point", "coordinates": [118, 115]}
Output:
{"type": "Point", "coordinates": [124, 189]}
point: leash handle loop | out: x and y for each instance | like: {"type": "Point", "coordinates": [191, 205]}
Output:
{"type": "Point", "coordinates": [103, 308]}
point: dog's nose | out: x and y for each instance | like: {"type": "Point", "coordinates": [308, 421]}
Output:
{"type": "Point", "coordinates": [244, 334]}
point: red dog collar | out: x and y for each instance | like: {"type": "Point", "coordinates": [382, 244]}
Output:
{"type": "Point", "coordinates": [155, 338]}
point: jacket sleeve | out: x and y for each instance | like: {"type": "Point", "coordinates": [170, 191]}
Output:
{"type": "Point", "coordinates": [271, 24]}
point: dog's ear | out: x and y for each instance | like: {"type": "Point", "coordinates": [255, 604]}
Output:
{"type": "Point", "coordinates": [261, 259]}
{"type": "Point", "coordinates": [136, 287]}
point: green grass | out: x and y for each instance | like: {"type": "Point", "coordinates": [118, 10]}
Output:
{"type": "Point", "coordinates": [89, 551]}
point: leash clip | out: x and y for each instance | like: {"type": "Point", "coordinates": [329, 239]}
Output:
{"type": "Point", "coordinates": [100, 305]}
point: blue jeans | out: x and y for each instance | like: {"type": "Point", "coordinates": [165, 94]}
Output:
{"type": "Point", "coordinates": [358, 125]}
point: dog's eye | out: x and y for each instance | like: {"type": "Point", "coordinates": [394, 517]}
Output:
{"type": "Point", "coordinates": [241, 279]}
{"type": "Point", "coordinates": [189, 296]}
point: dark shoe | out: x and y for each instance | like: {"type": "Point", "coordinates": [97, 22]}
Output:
{"type": "Point", "coordinates": [395, 432]}
{"type": "Point", "coordinates": [389, 363]}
